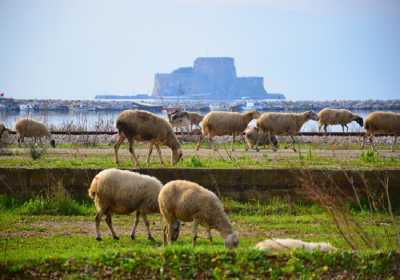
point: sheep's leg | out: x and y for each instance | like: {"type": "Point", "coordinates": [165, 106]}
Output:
{"type": "Point", "coordinates": [159, 154]}
{"type": "Point", "coordinates": [165, 235]}
{"type": "Point", "coordinates": [133, 233]}
{"type": "Point", "coordinates": [293, 142]}
{"type": "Point", "coordinates": [194, 232]}
{"type": "Point", "coordinates": [326, 129]}
{"type": "Point", "coordinates": [109, 223]}
{"type": "Point", "coordinates": [233, 141]}
{"type": "Point", "coordinates": [133, 154]}
{"type": "Point", "coordinates": [394, 142]}
{"type": "Point", "coordinates": [258, 144]}
{"type": "Point", "coordinates": [146, 222]}
{"type": "Point", "coordinates": [212, 144]}
{"type": "Point", "coordinates": [209, 235]}
{"type": "Point", "coordinates": [120, 140]}
{"type": "Point", "coordinates": [319, 127]}
{"type": "Point", "coordinates": [170, 231]}
{"type": "Point", "coordinates": [363, 141]}
{"type": "Point", "coordinates": [40, 141]}
{"type": "Point", "coordinates": [98, 220]}
{"type": "Point", "coordinates": [347, 128]}
{"type": "Point", "coordinates": [371, 141]}
{"type": "Point", "coordinates": [274, 148]}
{"type": "Point", "coordinates": [200, 140]}
{"type": "Point", "coordinates": [150, 152]}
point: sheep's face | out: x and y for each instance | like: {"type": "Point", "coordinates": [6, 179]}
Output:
{"type": "Point", "coordinates": [312, 116]}
{"type": "Point", "coordinates": [251, 133]}
{"type": "Point", "coordinates": [175, 230]}
{"type": "Point", "coordinates": [53, 143]}
{"type": "Point", "coordinates": [360, 121]}
{"type": "Point", "coordinates": [232, 240]}
{"type": "Point", "coordinates": [176, 156]}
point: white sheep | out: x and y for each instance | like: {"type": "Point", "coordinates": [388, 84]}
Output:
{"type": "Point", "coordinates": [145, 126]}
{"type": "Point", "coordinates": [187, 201]}
{"type": "Point", "coordinates": [225, 123]}
{"type": "Point", "coordinates": [343, 117]}
{"type": "Point", "coordinates": [195, 119]}
{"type": "Point", "coordinates": [284, 124]}
{"type": "Point", "coordinates": [382, 122]}
{"type": "Point", "coordinates": [123, 192]}
{"type": "Point", "coordinates": [280, 245]}
{"type": "Point", "coordinates": [32, 128]}
{"type": "Point", "coordinates": [252, 134]}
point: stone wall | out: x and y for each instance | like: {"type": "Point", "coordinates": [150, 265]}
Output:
{"type": "Point", "coordinates": [241, 184]}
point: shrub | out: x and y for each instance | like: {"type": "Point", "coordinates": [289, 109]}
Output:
{"type": "Point", "coordinates": [37, 151]}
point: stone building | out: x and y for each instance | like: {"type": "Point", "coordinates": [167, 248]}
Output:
{"type": "Point", "coordinates": [212, 78]}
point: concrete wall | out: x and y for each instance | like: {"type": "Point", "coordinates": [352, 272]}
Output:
{"type": "Point", "coordinates": [242, 184]}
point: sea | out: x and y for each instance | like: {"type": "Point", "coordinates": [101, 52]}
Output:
{"type": "Point", "coordinates": [105, 120]}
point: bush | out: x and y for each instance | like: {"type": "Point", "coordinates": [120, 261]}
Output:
{"type": "Point", "coordinates": [37, 151]}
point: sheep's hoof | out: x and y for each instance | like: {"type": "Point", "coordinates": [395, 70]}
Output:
{"type": "Point", "coordinates": [150, 238]}
{"type": "Point", "coordinates": [115, 237]}
{"type": "Point", "coordinates": [132, 237]}
{"type": "Point", "coordinates": [98, 238]}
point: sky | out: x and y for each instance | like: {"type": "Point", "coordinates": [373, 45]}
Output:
{"type": "Point", "coordinates": [305, 49]}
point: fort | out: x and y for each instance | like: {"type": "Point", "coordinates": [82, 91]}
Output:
{"type": "Point", "coordinates": [211, 78]}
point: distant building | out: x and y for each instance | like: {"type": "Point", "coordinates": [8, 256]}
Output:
{"type": "Point", "coordinates": [212, 78]}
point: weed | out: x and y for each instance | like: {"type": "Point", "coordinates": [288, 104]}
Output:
{"type": "Point", "coordinates": [369, 156]}
{"type": "Point", "coordinates": [37, 151]}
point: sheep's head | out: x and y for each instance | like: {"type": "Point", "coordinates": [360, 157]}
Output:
{"type": "Point", "coordinates": [53, 143]}
{"type": "Point", "coordinates": [251, 132]}
{"type": "Point", "coordinates": [311, 115]}
{"type": "Point", "coordinates": [359, 120]}
{"type": "Point", "coordinates": [176, 156]}
{"type": "Point", "coordinates": [175, 230]}
{"type": "Point", "coordinates": [232, 240]}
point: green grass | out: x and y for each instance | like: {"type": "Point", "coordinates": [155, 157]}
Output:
{"type": "Point", "coordinates": [43, 236]}
{"type": "Point", "coordinates": [306, 159]}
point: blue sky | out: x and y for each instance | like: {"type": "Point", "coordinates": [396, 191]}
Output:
{"type": "Point", "coordinates": [306, 49]}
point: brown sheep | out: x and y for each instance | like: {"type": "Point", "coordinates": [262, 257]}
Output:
{"type": "Point", "coordinates": [382, 122]}
{"type": "Point", "coordinates": [144, 126]}
{"type": "Point", "coordinates": [251, 135]}
{"type": "Point", "coordinates": [195, 119]}
{"type": "Point", "coordinates": [284, 124]}
{"type": "Point", "coordinates": [32, 128]}
{"type": "Point", "coordinates": [225, 123]}
{"type": "Point", "coordinates": [187, 201]}
{"type": "Point", "coordinates": [343, 117]}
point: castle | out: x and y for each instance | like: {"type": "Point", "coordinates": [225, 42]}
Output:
{"type": "Point", "coordinates": [211, 78]}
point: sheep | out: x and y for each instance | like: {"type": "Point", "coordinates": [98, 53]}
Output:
{"type": "Point", "coordinates": [382, 122]}
{"type": "Point", "coordinates": [145, 126]}
{"type": "Point", "coordinates": [225, 123]}
{"type": "Point", "coordinates": [284, 124]}
{"type": "Point", "coordinates": [251, 134]}
{"type": "Point", "coordinates": [187, 201]}
{"type": "Point", "coordinates": [279, 245]}
{"type": "Point", "coordinates": [123, 192]}
{"type": "Point", "coordinates": [32, 128]}
{"type": "Point", "coordinates": [343, 117]}
{"type": "Point", "coordinates": [195, 119]}
{"type": "Point", "coordinates": [3, 131]}
{"type": "Point", "coordinates": [180, 120]}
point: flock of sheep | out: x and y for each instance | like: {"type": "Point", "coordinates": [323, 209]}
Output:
{"type": "Point", "coordinates": [124, 192]}
{"type": "Point", "coordinates": [137, 125]}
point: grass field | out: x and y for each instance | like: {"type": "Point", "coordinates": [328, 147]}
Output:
{"type": "Point", "coordinates": [307, 156]}
{"type": "Point", "coordinates": [44, 236]}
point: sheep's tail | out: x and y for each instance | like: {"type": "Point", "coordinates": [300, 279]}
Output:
{"type": "Point", "coordinates": [93, 187]}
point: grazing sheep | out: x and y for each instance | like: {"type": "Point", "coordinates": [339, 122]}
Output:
{"type": "Point", "coordinates": [284, 124]}
{"type": "Point", "coordinates": [188, 201]}
{"type": "Point", "coordinates": [382, 122]}
{"type": "Point", "coordinates": [145, 126]}
{"type": "Point", "coordinates": [179, 120]}
{"type": "Point", "coordinates": [123, 192]}
{"type": "Point", "coordinates": [3, 131]}
{"type": "Point", "coordinates": [343, 117]}
{"type": "Point", "coordinates": [251, 135]}
{"type": "Point", "coordinates": [279, 245]}
{"type": "Point", "coordinates": [195, 119]}
{"type": "Point", "coordinates": [225, 123]}
{"type": "Point", "coordinates": [32, 128]}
